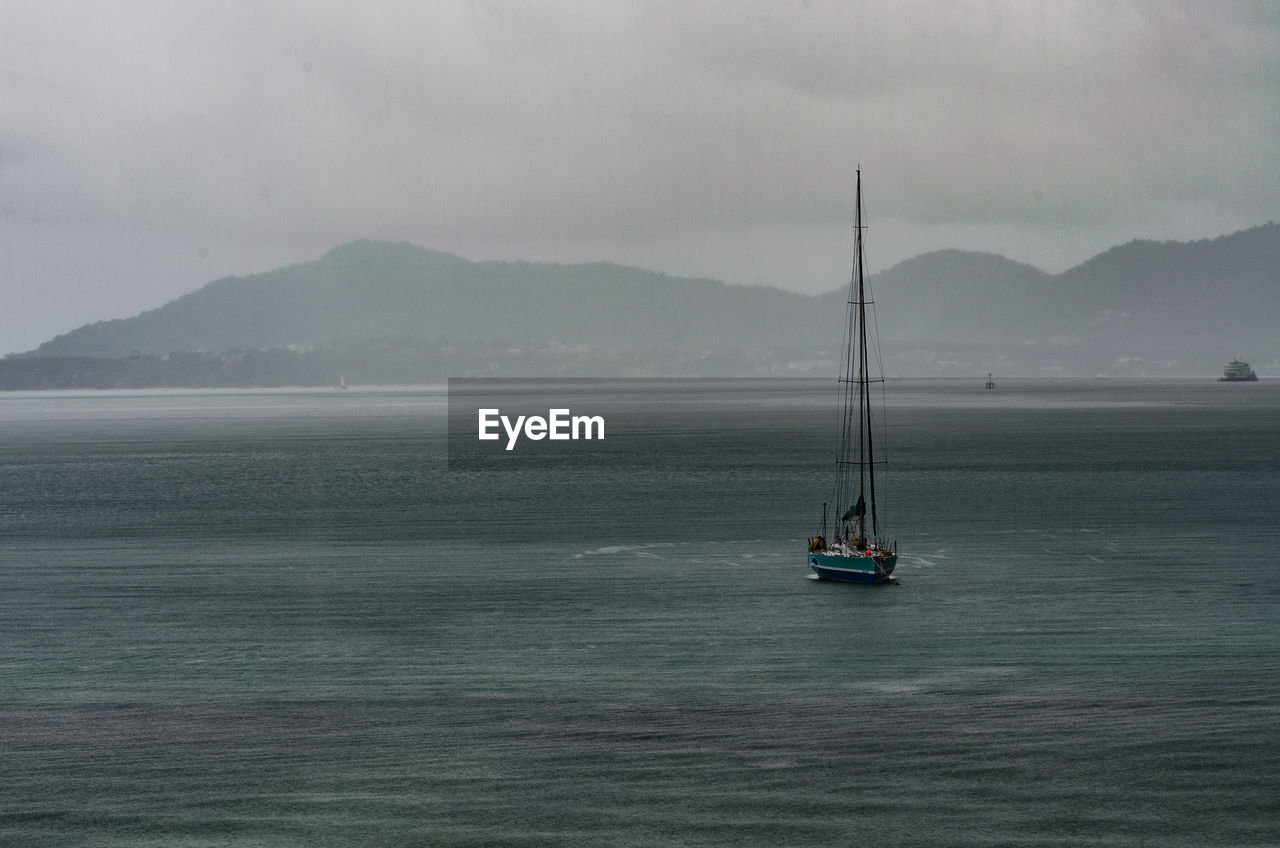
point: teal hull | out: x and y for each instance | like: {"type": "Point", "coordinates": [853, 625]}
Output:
{"type": "Point", "coordinates": [853, 569]}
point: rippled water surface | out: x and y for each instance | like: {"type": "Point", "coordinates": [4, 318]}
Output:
{"type": "Point", "coordinates": [279, 619]}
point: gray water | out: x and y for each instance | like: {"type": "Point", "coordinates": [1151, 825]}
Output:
{"type": "Point", "coordinates": [278, 619]}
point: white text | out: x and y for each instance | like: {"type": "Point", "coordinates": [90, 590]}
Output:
{"type": "Point", "coordinates": [559, 425]}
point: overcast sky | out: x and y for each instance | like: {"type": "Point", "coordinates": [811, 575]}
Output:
{"type": "Point", "coordinates": [148, 148]}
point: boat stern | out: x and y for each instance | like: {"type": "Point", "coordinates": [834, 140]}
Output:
{"type": "Point", "coordinates": [853, 568]}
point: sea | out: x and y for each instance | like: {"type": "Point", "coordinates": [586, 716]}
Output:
{"type": "Point", "coordinates": [283, 618]}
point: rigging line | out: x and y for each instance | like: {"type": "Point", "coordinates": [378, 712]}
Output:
{"type": "Point", "coordinates": [864, 389]}
{"type": "Point", "coordinates": [875, 325]}
{"type": "Point", "coordinates": [849, 353]}
{"type": "Point", "coordinates": [883, 396]}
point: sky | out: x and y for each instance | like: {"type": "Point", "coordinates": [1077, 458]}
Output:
{"type": "Point", "coordinates": [147, 148]}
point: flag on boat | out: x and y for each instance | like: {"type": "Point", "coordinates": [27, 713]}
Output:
{"type": "Point", "coordinates": [856, 511]}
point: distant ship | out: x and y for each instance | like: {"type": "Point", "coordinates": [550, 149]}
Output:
{"type": "Point", "coordinates": [1237, 371]}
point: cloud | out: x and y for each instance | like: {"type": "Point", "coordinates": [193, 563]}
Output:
{"type": "Point", "coordinates": [671, 134]}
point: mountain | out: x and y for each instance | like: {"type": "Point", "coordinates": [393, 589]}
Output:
{"type": "Point", "coordinates": [370, 289]}
{"type": "Point", "coordinates": [954, 296]}
{"type": "Point", "coordinates": [1141, 307]}
{"type": "Point", "coordinates": [1219, 291]}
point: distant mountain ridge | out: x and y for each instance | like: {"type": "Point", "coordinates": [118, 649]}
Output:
{"type": "Point", "coordinates": [369, 289]}
{"type": "Point", "coordinates": [1187, 304]}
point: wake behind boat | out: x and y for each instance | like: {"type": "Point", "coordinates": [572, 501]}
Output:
{"type": "Point", "coordinates": [858, 552]}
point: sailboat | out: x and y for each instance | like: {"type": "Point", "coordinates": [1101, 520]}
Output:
{"type": "Point", "coordinates": [858, 551]}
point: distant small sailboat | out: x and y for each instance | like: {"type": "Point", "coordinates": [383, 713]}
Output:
{"type": "Point", "coordinates": [342, 381]}
{"type": "Point", "coordinates": [858, 552]}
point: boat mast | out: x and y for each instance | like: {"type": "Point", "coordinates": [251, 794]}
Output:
{"type": "Point", "coordinates": [856, 411]}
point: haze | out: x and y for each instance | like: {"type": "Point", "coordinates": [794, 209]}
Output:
{"type": "Point", "coordinates": [147, 148]}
